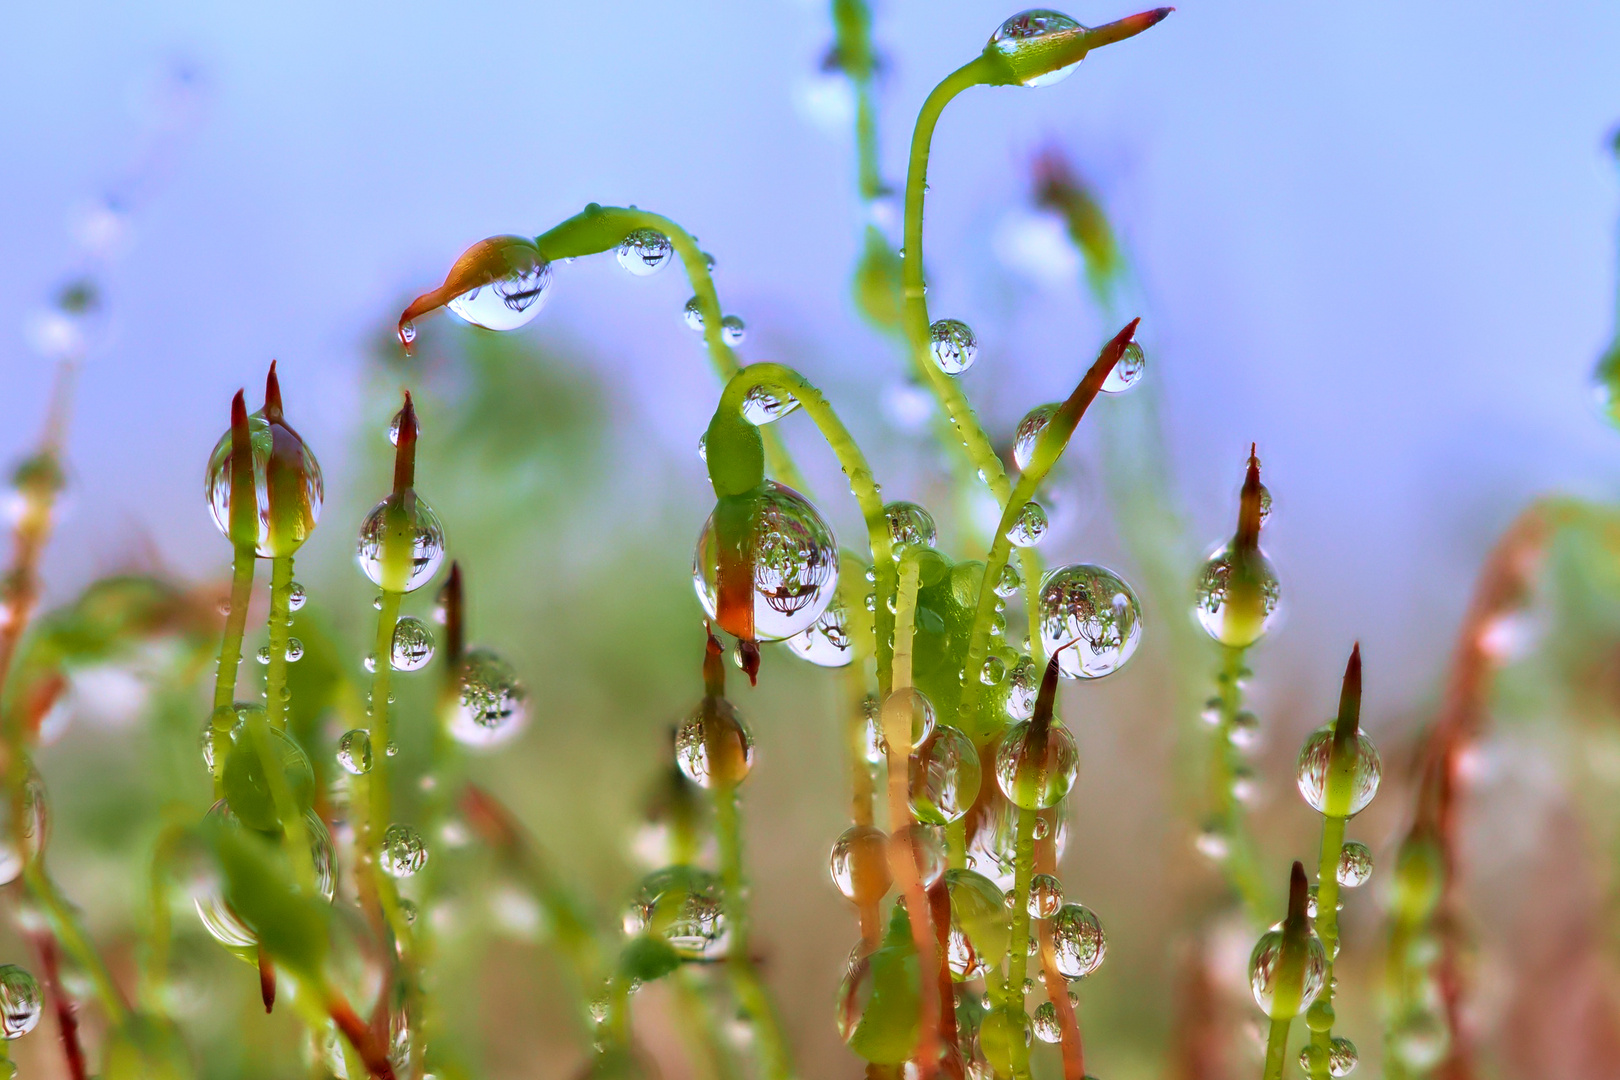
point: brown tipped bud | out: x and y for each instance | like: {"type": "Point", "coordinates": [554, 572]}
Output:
{"type": "Point", "coordinates": [749, 651]}
{"type": "Point", "coordinates": [1250, 506]}
{"type": "Point", "coordinates": [1348, 722]}
{"type": "Point", "coordinates": [405, 448]}
{"type": "Point", "coordinates": [1298, 892]}
{"type": "Point", "coordinates": [272, 396]}
{"type": "Point", "coordinates": [519, 277]}
{"type": "Point", "coordinates": [451, 602]}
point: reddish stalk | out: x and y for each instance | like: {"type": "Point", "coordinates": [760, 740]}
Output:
{"type": "Point", "coordinates": [1057, 987]}
{"type": "Point", "coordinates": [372, 1050]}
{"type": "Point", "coordinates": [66, 1009]}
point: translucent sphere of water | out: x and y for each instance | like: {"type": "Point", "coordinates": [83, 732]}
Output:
{"type": "Point", "coordinates": [20, 1002]}
{"type": "Point", "coordinates": [1025, 37]}
{"type": "Point", "coordinates": [763, 405]}
{"type": "Point", "coordinates": [1036, 767]}
{"type": "Point", "coordinates": [828, 642]}
{"type": "Point", "coordinates": [413, 645]}
{"type": "Point", "coordinates": [795, 564]}
{"type": "Point", "coordinates": [953, 345]}
{"type": "Point", "coordinates": [213, 742]}
{"type": "Point", "coordinates": [683, 905]}
{"type": "Point", "coordinates": [1314, 759]}
{"type": "Point", "coordinates": [208, 895]}
{"type": "Point", "coordinates": [404, 852]}
{"type": "Point", "coordinates": [247, 789]}
{"type": "Point", "coordinates": [1045, 896]}
{"type": "Point", "coordinates": [296, 596]}
{"type": "Point", "coordinates": [1355, 864]}
{"type": "Point", "coordinates": [1127, 372]}
{"type": "Point", "coordinates": [1078, 942]}
{"type": "Point", "coordinates": [294, 523]}
{"type": "Point", "coordinates": [944, 776]}
{"type": "Point", "coordinates": [354, 752]}
{"type": "Point", "coordinates": [1045, 1022]}
{"type": "Point", "coordinates": [1023, 686]}
{"type": "Point", "coordinates": [1029, 433]}
{"type": "Point", "coordinates": [1094, 608]}
{"type": "Point", "coordinates": [1342, 1057]}
{"type": "Point", "coordinates": [1029, 527]}
{"type": "Point", "coordinates": [645, 251]}
{"type": "Point", "coordinates": [1420, 1039]}
{"type": "Point", "coordinates": [492, 705]}
{"type": "Point", "coordinates": [733, 330]}
{"type": "Point", "coordinates": [1008, 582]}
{"type": "Point", "coordinates": [1263, 971]}
{"type": "Point", "coordinates": [713, 747]}
{"type": "Point", "coordinates": [922, 724]}
{"type": "Point", "coordinates": [1236, 597]}
{"type": "Point", "coordinates": [910, 526]}
{"type": "Point", "coordinates": [860, 864]}
{"type": "Point", "coordinates": [422, 536]}
{"type": "Point", "coordinates": [515, 297]}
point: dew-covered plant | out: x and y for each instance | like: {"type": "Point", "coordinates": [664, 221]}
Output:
{"type": "Point", "coordinates": [311, 848]}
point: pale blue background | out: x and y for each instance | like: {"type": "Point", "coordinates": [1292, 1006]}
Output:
{"type": "Point", "coordinates": [1378, 238]}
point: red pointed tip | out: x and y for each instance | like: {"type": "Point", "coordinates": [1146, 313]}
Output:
{"type": "Point", "coordinates": [750, 660]}
{"type": "Point", "coordinates": [272, 394]}
{"type": "Point", "coordinates": [1298, 891]}
{"type": "Point", "coordinates": [239, 409]}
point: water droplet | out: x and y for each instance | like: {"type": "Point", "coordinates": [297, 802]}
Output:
{"type": "Point", "coordinates": [1236, 596]}
{"type": "Point", "coordinates": [1342, 1057]}
{"type": "Point", "coordinates": [692, 313]}
{"type": "Point", "coordinates": [208, 895]}
{"type": "Point", "coordinates": [1045, 1022]}
{"type": "Point", "coordinates": [1127, 372]}
{"type": "Point", "coordinates": [296, 597]}
{"type": "Point", "coordinates": [645, 251]}
{"type": "Point", "coordinates": [376, 602]}
{"type": "Point", "coordinates": [1029, 37]}
{"type": "Point", "coordinates": [1213, 843]}
{"type": "Point", "coordinates": [413, 645]}
{"type": "Point", "coordinates": [928, 850]}
{"type": "Point", "coordinates": [493, 705]}
{"type": "Point", "coordinates": [954, 346]}
{"type": "Point", "coordinates": [407, 332]}
{"type": "Point", "coordinates": [421, 535]}
{"type": "Point", "coordinates": [795, 563]}
{"type": "Point", "coordinates": [393, 427]}
{"type": "Point", "coordinates": [860, 864]}
{"type": "Point", "coordinates": [20, 1002]}
{"type": "Point", "coordinates": [1266, 958]}
{"type": "Point", "coordinates": [1314, 759]}
{"type": "Point", "coordinates": [1355, 864]}
{"type": "Point", "coordinates": [392, 749]}
{"type": "Point", "coordinates": [1078, 943]}
{"type": "Point", "coordinates": [1029, 433]}
{"type": "Point", "coordinates": [910, 526]}
{"type": "Point", "coordinates": [294, 523]}
{"type": "Point", "coordinates": [1420, 1039]}
{"type": "Point", "coordinates": [354, 752]}
{"type": "Point", "coordinates": [682, 905]}
{"type": "Point", "coordinates": [703, 447]}
{"type": "Point", "coordinates": [713, 747]}
{"type": "Point", "coordinates": [1023, 686]}
{"type": "Point", "coordinates": [993, 671]}
{"type": "Point", "coordinates": [1036, 767]}
{"type": "Point", "coordinates": [263, 654]}
{"type": "Point", "coordinates": [1029, 527]}
{"type": "Point", "coordinates": [733, 330]}
{"type": "Point", "coordinates": [922, 724]}
{"type": "Point", "coordinates": [1312, 1058]}
{"type": "Point", "coordinates": [370, 664]}
{"type": "Point", "coordinates": [763, 405]}
{"type": "Point", "coordinates": [295, 650]}
{"type": "Point", "coordinates": [1045, 896]}
{"type": "Point", "coordinates": [964, 960]}
{"type": "Point", "coordinates": [827, 643]}
{"type": "Point", "coordinates": [403, 851]}
{"type": "Point", "coordinates": [1008, 582]}
{"type": "Point", "coordinates": [1244, 730]}
{"type": "Point", "coordinates": [1094, 608]}
{"type": "Point", "coordinates": [944, 776]}
{"type": "Point", "coordinates": [515, 297]}
{"type": "Point", "coordinates": [1042, 828]}
{"type": "Point", "coordinates": [36, 819]}
{"type": "Point", "coordinates": [1265, 504]}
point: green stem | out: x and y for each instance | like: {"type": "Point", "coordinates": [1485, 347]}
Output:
{"type": "Point", "coordinates": [65, 925]}
{"type": "Point", "coordinates": [230, 658]}
{"type": "Point", "coordinates": [257, 732]}
{"type": "Point", "coordinates": [1276, 1049]}
{"type": "Point", "coordinates": [1327, 925]}
{"type": "Point", "coordinates": [381, 739]}
{"type": "Point", "coordinates": [861, 485]}
{"type": "Point", "coordinates": [1018, 943]}
{"type": "Point", "coordinates": [275, 683]}
{"type": "Point", "coordinates": [1240, 864]}
{"type": "Point", "coordinates": [745, 981]}
{"type": "Point", "coordinates": [155, 970]}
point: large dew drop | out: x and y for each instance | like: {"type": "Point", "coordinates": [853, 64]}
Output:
{"type": "Point", "coordinates": [1078, 943]}
{"type": "Point", "coordinates": [953, 345]}
{"type": "Point", "coordinates": [1029, 433]}
{"type": "Point", "coordinates": [208, 896]}
{"type": "Point", "coordinates": [354, 752]}
{"type": "Point", "coordinates": [1342, 1057]}
{"type": "Point", "coordinates": [1236, 597]}
{"type": "Point", "coordinates": [403, 851]}
{"type": "Point", "coordinates": [713, 747]}
{"type": "Point", "coordinates": [493, 705]}
{"type": "Point", "coordinates": [1092, 607]}
{"type": "Point", "coordinates": [763, 405]}
{"type": "Point", "coordinates": [828, 642]}
{"type": "Point", "coordinates": [413, 645]}
{"type": "Point", "coordinates": [795, 564]}
{"type": "Point", "coordinates": [860, 864]}
{"type": "Point", "coordinates": [944, 776]}
{"type": "Point", "coordinates": [1314, 759]}
{"type": "Point", "coordinates": [217, 486]}
{"type": "Point", "coordinates": [1127, 372]}
{"type": "Point", "coordinates": [1265, 960]}
{"type": "Point", "coordinates": [1025, 37]}
{"type": "Point", "coordinates": [1036, 764]}
{"type": "Point", "coordinates": [1045, 1021]}
{"type": "Point", "coordinates": [515, 297]}
{"type": "Point", "coordinates": [682, 905]}
{"type": "Point", "coordinates": [1355, 865]}
{"type": "Point", "coordinates": [20, 1002]}
{"type": "Point", "coordinates": [645, 251]}
{"type": "Point", "coordinates": [424, 537]}
{"type": "Point", "coordinates": [1029, 527]}
{"type": "Point", "coordinates": [910, 526]}
{"type": "Point", "coordinates": [1045, 896]}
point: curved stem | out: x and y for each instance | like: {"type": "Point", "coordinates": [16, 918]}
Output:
{"type": "Point", "coordinates": [745, 981]}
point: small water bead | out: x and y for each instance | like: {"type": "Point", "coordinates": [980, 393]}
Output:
{"type": "Point", "coordinates": [403, 851]}
{"type": "Point", "coordinates": [1095, 609]}
{"type": "Point", "coordinates": [1244, 730]}
{"type": "Point", "coordinates": [1008, 582]}
{"type": "Point", "coordinates": [1023, 686]}
{"type": "Point", "coordinates": [263, 654]}
{"type": "Point", "coordinates": [392, 749]}
{"type": "Point", "coordinates": [910, 526]}
{"type": "Point", "coordinates": [296, 597]}
{"type": "Point", "coordinates": [1047, 1028]}
{"type": "Point", "coordinates": [1127, 372]}
{"type": "Point", "coordinates": [1265, 504]}
{"type": "Point", "coordinates": [1263, 964]}
{"type": "Point", "coordinates": [1312, 1058]}
{"type": "Point", "coordinates": [945, 776]}
{"type": "Point", "coordinates": [1420, 1039]}
{"type": "Point", "coordinates": [713, 747]}
{"type": "Point", "coordinates": [828, 642]}
{"type": "Point", "coordinates": [1042, 828]}
{"type": "Point", "coordinates": [1078, 942]}
{"type": "Point", "coordinates": [354, 752]}
{"type": "Point", "coordinates": [1236, 597]}
{"type": "Point", "coordinates": [1029, 527]}
{"type": "Point", "coordinates": [762, 405]}
{"type": "Point", "coordinates": [369, 662]}
{"type": "Point", "coordinates": [795, 564]}
{"type": "Point", "coordinates": [1355, 864]}
{"type": "Point", "coordinates": [954, 346]}
{"type": "Point", "coordinates": [1027, 36]}
{"type": "Point", "coordinates": [860, 864]}
{"type": "Point", "coordinates": [733, 330]}
{"type": "Point", "coordinates": [684, 906]}
{"type": "Point", "coordinates": [1213, 843]}
{"type": "Point", "coordinates": [993, 671]}
{"type": "Point", "coordinates": [1036, 772]}
{"type": "Point", "coordinates": [1029, 433]}
{"type": "Point", "coordinates": [1244, 788]}
{"type": "Point", "coordinates": [1045, 896]}
{"type": "Point", "coordinates": [692, 313]}
{"type": "Point", "coordinates": [295, 522]}
{"type": "Point", "coordinates": [962, 958]}
{"type": "Point", "coordinates": [1314, 759]}
{"type": "Point", "coordinates": [645, 252]}
{"type": "Point", "coordinates": [493, 704]}
{"type": "Point", "coordinates": [20, 1002]}
{"type": "Point", "coordinates": [295, 650]}
{"type": "Point", "coordinates": [1342, 1057]}
{"type": "Point", "coordinates": [515, 297]}
{"type": "Point", "coordinates": [413, 645]}
{"type": "Point", "coordinates": [423, 533]}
